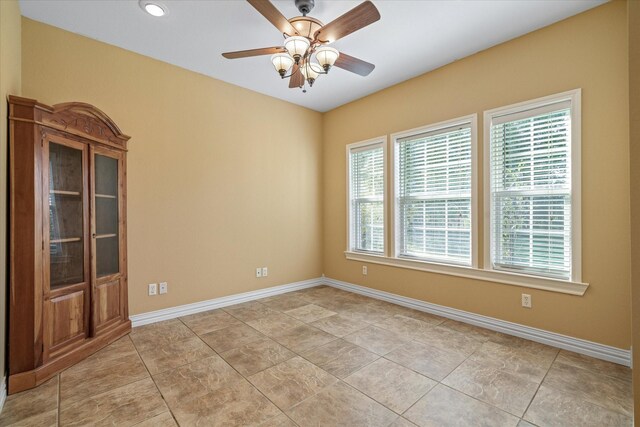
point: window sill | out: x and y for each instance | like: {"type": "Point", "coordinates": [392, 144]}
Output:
{"type": "Point", "coordinates": [547, 284]}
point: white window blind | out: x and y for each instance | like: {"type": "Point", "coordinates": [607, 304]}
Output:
{"type": "Point", "coordinates": [433, 195]}
{"type": "Point", "coordinates": [530, 186]}
{"type": "Point", "coordinates": [366, 166]}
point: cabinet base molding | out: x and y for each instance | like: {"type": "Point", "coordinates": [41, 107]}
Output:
{"type": "Point", "coordinates": [29, 379]}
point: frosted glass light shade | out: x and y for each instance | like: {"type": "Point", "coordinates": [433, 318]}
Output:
{"type": "Point", "coordinates": [327, 56]}
{"type": "Point", "coordinates": [310, 71]}
{"type": "Point", "coordinates": [296, 46]}
{"type": "Point", "coordinates": [282, 62]}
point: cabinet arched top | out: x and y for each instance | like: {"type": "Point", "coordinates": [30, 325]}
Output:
{"type": "Point", "coordinates": [77, 118]}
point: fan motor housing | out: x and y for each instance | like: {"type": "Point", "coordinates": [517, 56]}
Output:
{"type": "Point", "coordinates": [305, 6]}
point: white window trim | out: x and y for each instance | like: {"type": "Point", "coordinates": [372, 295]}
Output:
{"type": "Point", "coordinates": [378, 141]}
{"type": "Point", "coordinates": [574, 96]}
{"type": "Point", "coordinates": [472, 121]}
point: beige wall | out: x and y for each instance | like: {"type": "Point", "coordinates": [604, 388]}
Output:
{"type": "Point", "coordinates": [215, 187]}
{"type": "Point", "coordinates": [10, 76]}
{"type": "Point", "coordinates": [588, 51]}
{"type": "Point", "coordinates": [634, 144]}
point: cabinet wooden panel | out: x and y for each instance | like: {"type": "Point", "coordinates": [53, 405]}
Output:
{"type": "Point", "coordinates": [68, 270]}
{"type": "Point", "coordinates": [64, 319]}
{"type": "Point", "coordinates": [107, 304]}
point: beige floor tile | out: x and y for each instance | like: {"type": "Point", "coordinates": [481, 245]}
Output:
{"type": "Point", "coordinates": [475, 332]}
{"type": "Point", "coordinates": [209, 321]}
{"type": "Point", "coordinates": [395, 386]}
{"type": "Point", "coordinates": [274, 323]}
{"type": "Point", "coordinates": [279, 421]}
{"type": "Point", "coordinates": [553, 408]}
{"type": "Point", "coordinates": [526, 345]}
{"type": "Point", "coordinates": [402, 422]}
{"type": "Point", "coordinates": [232, 337]}
{"type": "Point", "coordinates": [432, 319]}
{"type": "Point", "coordinates": [595, 365]}
{"type": "Point", "coordinates": [164, 419]}
{"type": "Point", "coordinates": [248, 311]}
{"type": "Point", "coordinates": [160, 334]}
{"type": "Point", "coordinates": [196, 379]}
{"type": "Point", "coordinates": [447, 339]}
{"type": "Point", "coordinates": [404, 326]}
{"type": "Point", "coordinates": [530, 366]}
{"type": "Point", "coordinates": [97, 375]}
{"type": "Point", "coordinates": [341, 405]}
{"type": "Point", "coordinates": [367, 313]}
{"type": "Point", "coordinates": [126, 405]}
{"type": "Point", "coordinates": [310, 313]}
{"type": "Point", "coordinates": [30, 403]}
{"type": "Point", "coordinates": [431, 361]}
{"type": "Point", "coordinates": [292, 381]}
{"type": "Point", "coordinates": [443, 406]}
{"type": "Point", "coordinates": [340, 358]}
{"type": "Point", "coordinates": [239, 404]}
{"type": "Point", "coordinates": [302, 338]}
{"type": "Point", "coordinates": [377, 340]}
{"type": "Point", "coordinates": [175, 354]}
{"type": "Point", "coordinates": [609, 392]}
{"type": "Point", "coordinates": [257, 356]}
{"type": "Point", "coordinates": [45, 419]}
{"type": "Point", "coordinates": [284, 302]}
{"type": "Point", "coordinates": [524, 423]}
{"type": "Point", "coordinates": [339, 325]}
{"type": "Point", "coordinates": [507, 391]}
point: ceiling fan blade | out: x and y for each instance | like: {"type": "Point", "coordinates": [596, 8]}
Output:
{"type": "Point", "coordinates": [273, 15]}
{"type": "Point", "coordinates": [357, 18]}
{"type": "Point", "coordinates": [254, 52]}
{"type": "Point", "coordinates": [354, 65]}
{"type": "Point", "coordinates": [297, 79]}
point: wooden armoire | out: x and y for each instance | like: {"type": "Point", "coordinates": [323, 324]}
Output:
{"type": "Point", "coordinates": [68, 247]}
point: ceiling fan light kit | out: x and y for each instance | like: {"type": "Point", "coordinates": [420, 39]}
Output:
{"type": "Point", "coordinates": [305, 39]}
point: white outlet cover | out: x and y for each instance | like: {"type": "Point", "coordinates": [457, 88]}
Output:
{"type": "Point", "coordinates": [164, 287]}
{"type": "Point", "coordinates": [364, 270]}
{"type": "Point", "coordinates": [153, 289]}
{"type": "Point", "coordinates": [526, 300]}
{"type": "Point", "coordinates": [265, 272]}
{"type": "Point", "coordinates": [258, 272]}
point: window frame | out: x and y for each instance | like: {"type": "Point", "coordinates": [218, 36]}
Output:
{"type": "Point", "coordinates": [574, 98]}
{"type": "Point", "coordinates": [373, 143]}
{"type": "Point", "coordinates": [472, 121]}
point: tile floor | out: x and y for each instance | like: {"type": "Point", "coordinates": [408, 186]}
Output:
{"type": "Point", "coordinates": [325, 357]}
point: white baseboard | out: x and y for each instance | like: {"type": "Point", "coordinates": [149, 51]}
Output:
{"type": "Point", "coordinates": [197, 307]}
{"type": "Point", "coordinates": [3, 392]}
{"type": "Point", "coordinates": [589, 348]}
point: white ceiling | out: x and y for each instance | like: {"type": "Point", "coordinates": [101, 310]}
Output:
{"type": "Point", "coordinates": [411, 38]}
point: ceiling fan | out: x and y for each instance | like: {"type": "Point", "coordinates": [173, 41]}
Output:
{"type": "Point", "coordinates": [305, 54]}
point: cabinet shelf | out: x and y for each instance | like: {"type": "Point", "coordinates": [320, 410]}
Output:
{"type": "Point", "coordinates": [70, 239]}
{"type": "Point", "coordinates": [65, 193]}
{"type": "Point", "coordinates": [105, 196]}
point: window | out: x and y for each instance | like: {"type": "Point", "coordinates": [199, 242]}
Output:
{"type": "Point", "coordinates": [433, 198]}
{"type": "Point", "coordinates": [533, 188]}
{"type": "Point", "coordinates": [366, 196]}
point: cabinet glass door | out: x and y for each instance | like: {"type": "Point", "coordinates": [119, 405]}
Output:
{"type": "Point", "coordinates": [66, 215]}
{"type": "Point", "coordinates": [107, 221]}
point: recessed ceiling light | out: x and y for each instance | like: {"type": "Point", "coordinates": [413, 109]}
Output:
{"type": "Point", "coordinates": [153, 8]}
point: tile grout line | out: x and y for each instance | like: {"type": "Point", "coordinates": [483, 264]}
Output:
{"type": "Point", "coordinates": [539, 385]}
{"type": "Point", "coordinates": [154, 382]}
{"type": "Point", "coordinates": [232, 367]}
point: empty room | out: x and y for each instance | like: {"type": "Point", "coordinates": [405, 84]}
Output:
{"type": "Point", "coordinates": [319, 213]}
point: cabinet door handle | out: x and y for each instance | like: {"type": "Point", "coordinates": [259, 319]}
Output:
{"type": "Point", "coordinates": [93, 235]}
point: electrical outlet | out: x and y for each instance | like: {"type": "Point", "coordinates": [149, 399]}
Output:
{"type": "Point", "coordinates": [526, 300]}
{"type": "Point", "coordinates": [258, 272]}
{"type": "Point", "coordinates": [364, 270]}
{"type": "Point", "coordinates": [153, 289]}
{"type": "Point", "coordinates": [265, 272]}
{"type": "Point", "coordinates": [164, 287]}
